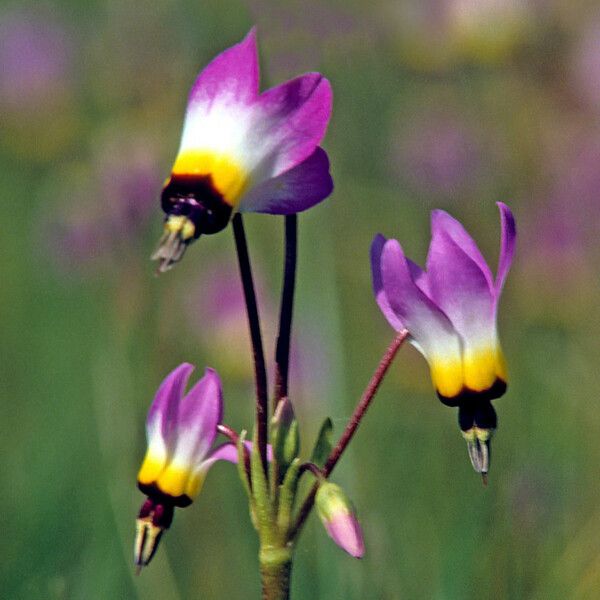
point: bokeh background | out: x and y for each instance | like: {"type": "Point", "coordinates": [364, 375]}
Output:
{"type": "Point", "coordinates": [438, 103]}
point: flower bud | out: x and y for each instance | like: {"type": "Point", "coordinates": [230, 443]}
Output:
{"type": "Point", "coordinates": [286, 438]}
{"type": "Point", "coordinates": [339, 517]}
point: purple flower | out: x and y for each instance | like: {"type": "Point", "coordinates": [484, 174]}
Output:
{"type": "Point", "coordinates": [181, 431]}
{"type": "Point", "coordinates": [214, 309]}
{"type": "Point", "coordinates": [339, 518]}
{"type": "Point", "coordinates": [244, 151]}
{"type": "Point", "coordinates": [128, 183]}
{"type": "Point", "coordinates": [106, 207]}
{"type": "Point", "coordinates": [586, 64]}
{"type": "Point", "coordinates": [449, 310]}
{"type": "Point", "coordinates": [561, 231]}
{"type": "Point", "coordinates": [440, 156]}
{"type": "Point", "coordinates": [34, 60]}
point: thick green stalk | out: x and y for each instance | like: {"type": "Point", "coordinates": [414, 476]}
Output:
{"type": "Point", "coordinates": [275, 572]}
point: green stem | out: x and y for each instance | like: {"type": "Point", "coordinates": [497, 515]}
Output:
{"type": "Point", "coordinates": [275, 572]}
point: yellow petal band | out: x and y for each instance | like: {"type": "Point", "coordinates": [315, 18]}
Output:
{"type": "Point", "coordinates": [227, 176]}
{"type": "Point", "coordinates": [476, 372]}
{"type": "Point", "coordinates": [172, 480]}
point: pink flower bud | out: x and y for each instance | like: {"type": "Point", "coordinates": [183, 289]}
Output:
{"type": "Point", "coordinates": [339, 517]}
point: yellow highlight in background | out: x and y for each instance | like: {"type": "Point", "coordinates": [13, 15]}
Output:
{"type": "Point", "coordinates": [228, 177]}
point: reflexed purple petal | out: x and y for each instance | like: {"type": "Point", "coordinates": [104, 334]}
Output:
{"type": "Point", "coordinates": [442, 222]}
{"type": "Point", "coordinates": [507, 245]}
{"type": "Point", "coordinates": [458, 284]}
{"type": "Point", "coordinates": [229, 453]}
{"type": "Point", "coordinates": [233, 74]}
{"type": "Point", "coordinates": [162, 416]}
{"type": "Point", "coordinates": [293, 118]}
{"type": "Point", "coordinates": [199, 414]}
{"type": "Point", "coordinates": [295, 190]}
{"type": "Point", "coordinates": [427, 324]}
{"type": "Point", "coordinates": [344, 529]}
{"type": "Point", "coordinates": [226, 452]}
{"type": "Point", "coordinates": [376, 249]}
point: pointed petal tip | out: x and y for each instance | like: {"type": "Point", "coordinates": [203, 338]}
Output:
{"type": "Point", "coordinates": [438, 213]}
{"type": "Point", "coordinates": [392, 256]}
{"type": "Point", "coordinates": [378, 241]}
{"type": "Point", "coordinates": [507, 216]}
{"type": "Point", "coordinates": [172, 386]}
{"type": "Point", "coordinates": [346, 532]}
{"type": "Point", "coordinates": [212, 373]}
{"type": "Point", "coordinates": [250, 38]}
{"type": "Point", "coordinates": [508, 238]}
{"type": "Point", "coordinates": [184, 370]}
{"type": "Point", "coordinates": [209, 392]}
{"type": "Point", "coordinates": [375, 253]}
{"type": "Point", "coordinates": [439, 217]}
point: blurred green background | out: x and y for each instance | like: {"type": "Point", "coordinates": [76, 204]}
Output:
{"type": "Point", "coordinates": [438, 103]}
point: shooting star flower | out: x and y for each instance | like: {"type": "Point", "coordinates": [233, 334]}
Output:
{"type": "Point", "coordinates": [450, 311]}
{"type": "Point", "coordinates": [181, 431]}
{"type": "Point", "coordinates": [242, 150]}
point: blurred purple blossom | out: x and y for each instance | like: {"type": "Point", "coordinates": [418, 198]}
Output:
{"type": "Point", "coordinates": [130, 184]}
{"type": "Point", "coordinates": [557, 259]}
{"type": "Point", "coordinates": [562, 225]}
{"type": "Point", "coordinates": [572, 168]}
{"type": "Point", "coordinates": [301, 34]}
{"type": "Point", "coordinates": [586, 64]}
{"type": "Point", "coordinates": [35, 59]}
{"type": "Point", "coordinates": [439, 155]}
{"type": "Point", "coordinates": [214, 309]}
{"type": "Point", "coordinates": [107, 209]}
{"type": "Point", "coordinates": [75, 240]}
{"type": "Point", "coordinates": [531, 499]}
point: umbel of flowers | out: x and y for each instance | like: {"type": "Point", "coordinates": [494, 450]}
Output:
{"type": "Point", "coordinates": [245, 151]}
